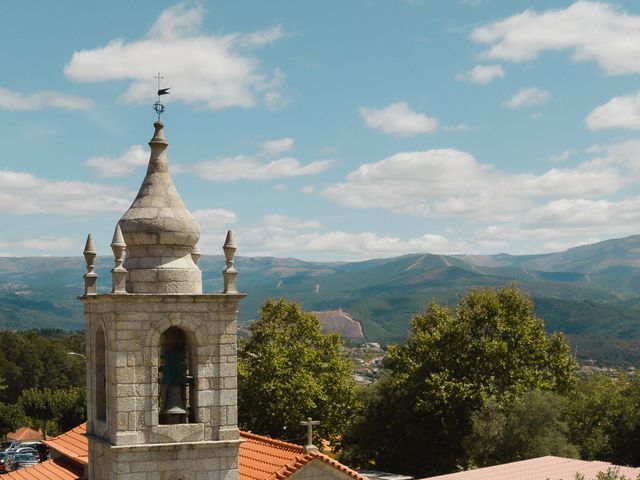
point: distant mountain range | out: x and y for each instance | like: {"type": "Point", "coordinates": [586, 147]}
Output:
{"type": "Point", "coordinates": [592, 292]}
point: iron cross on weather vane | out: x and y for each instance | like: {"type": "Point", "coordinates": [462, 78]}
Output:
{"type": "Point", "coordinates": [159, 106]}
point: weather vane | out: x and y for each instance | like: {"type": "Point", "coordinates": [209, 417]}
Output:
{"type": "Point", "coordinates": [159, 106]}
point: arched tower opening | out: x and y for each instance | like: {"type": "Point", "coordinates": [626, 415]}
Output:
{"type": "Point", "coordinates": [100, 375]}
{"type": "Point", "coordinates": [176, 381]}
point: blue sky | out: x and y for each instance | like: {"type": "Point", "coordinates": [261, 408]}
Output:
{"type": "Point", "coordinates": [326, 130]}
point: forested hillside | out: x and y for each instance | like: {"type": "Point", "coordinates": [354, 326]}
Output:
{"type": "Point", "coordinates": [592, 293]}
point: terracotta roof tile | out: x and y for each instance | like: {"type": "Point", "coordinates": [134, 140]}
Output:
{"type": "Point", "coordinates": [56, 469]}
{"type": "Point", "coordinates": [264, 458]}
{"type": "Point", "coordinates": [72, 444]}
{"type": "Point", "coordinates": [261, 458]}
{"type": "Point", "coordinates": [542, 468]}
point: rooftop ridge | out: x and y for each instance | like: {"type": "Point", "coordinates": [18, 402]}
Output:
{"type": "Point", "coordinates": [272, 441]}
{"type": "Point", "coordinates": [72, 444]}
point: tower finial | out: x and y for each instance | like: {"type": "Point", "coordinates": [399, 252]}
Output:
{"type": "Point", "coordinates": [159, 106]}
{"type": "Point", "coordinates": [91, 277]}
{"type": "Point", "coordinates": [230, 273]}
{"type": "Point", "coordinates": [118, 273]}
{"type": "Point", "coordinates": [196, 254]}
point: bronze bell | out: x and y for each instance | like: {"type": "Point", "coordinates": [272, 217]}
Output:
{"type": "Point", "coordinates": [174, 405]}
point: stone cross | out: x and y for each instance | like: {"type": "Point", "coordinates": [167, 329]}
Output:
{"type": "Point", "coordinates": [309, 423]}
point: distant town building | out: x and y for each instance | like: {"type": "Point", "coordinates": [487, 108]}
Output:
{"type": "Point", "coordinates": [24, 434]}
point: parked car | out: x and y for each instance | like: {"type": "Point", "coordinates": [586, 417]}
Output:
{"type": "Point", "coordinates": [21, 460]}
{"type": "Point", "coordinates": [3, 462]}
{"type": "Point", "coordinates": [30, 450]}
{"type": "Point", "coordinates": [34, 445]}
{"type": "Point", "coordinates": [9, 446]}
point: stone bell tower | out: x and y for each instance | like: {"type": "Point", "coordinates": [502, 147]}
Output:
{"type": "Point", "coordinates": [161, 355]}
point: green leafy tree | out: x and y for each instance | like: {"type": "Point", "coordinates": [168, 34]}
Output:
{"type": "Point", "coordinates": [528, 427]}
{"type": "Point", "coordinates": [11, 418]}
{"type": "Point", "coordinates": [612, 473]}
{"type": "Point", "coordinates": [69, 408]}
{"type": "Point", "coordinates": [490, 347]}
{"type": "Point", "coordinates": [289, 370]}
{"type": "Point", "coordinates": [31, 360]}
{"type": "Point", "coordinates": [604, 419]}
{"type": "Point", "coordinates": [54, 411]}
{"type": "Point", "coordinates": [38, 405]}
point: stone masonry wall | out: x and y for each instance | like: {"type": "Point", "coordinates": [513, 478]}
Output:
{"type": "Point", "coordinates": [133, 325]}
{"type": "Point", "coordinates": [184, 461]}
{"type": "Point", "coordinates": [318, 470]}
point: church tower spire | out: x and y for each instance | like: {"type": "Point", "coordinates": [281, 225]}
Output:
{"type": "Point", "coordinates": [161, 355]}
{"type": "Point", "coordinates": [160, 232]}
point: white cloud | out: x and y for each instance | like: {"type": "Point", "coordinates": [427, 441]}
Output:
{"type": "Point", "coordinates": [528, 97]}
{"type": "Point", "coordinates": [622, 155]}
{"type": "Point", "coordinates": [241, 167]}
{"type": "Point", "coordinates": [214, 218]}
{"type": "Point", "coordinates": [275, 100]}
{"type": "Point", "coordinates": [398, 119]}
{"type": "Point", "coordinates": [282, 236]}
{"type": "Point", "coordinates": [591, 30]}
{"type": "Point", "coordinates": [177, 22]}
{"type": "Point", "coordinates": [261, 37]}
{"type": "Point", "coordinates": [517, 212]}
{"type": "Point", "coordinates": [49, 244]}
{"type": "Point", "coordinates": [619, 112]}
{"type": "Point", "coordinates": [283, 222]}
{"type": "Point", "coordinates": [202, 69]}
{"type": "Point", "coordinates": [22, 193]}
{"type": "Point", "coordinates": [448, 182]}
{"type": "Point", "coordinates": [41, 245]}
{"type": "Point", "coordinates": [587, 214]}
{"type": "Point", "coordinates": [120, 166]}
{"type": "Point", "coordinates": [483, 74]}
{"type": "Point", "coordinates": [308, 189]}
{"type": "Point", "coordinates": [262, 166]}
{"type": "Point", "coordinates": [537, 240]}
{"type": "Point", "coordinates": [562, 156]}
{"type": "Point", "coordinates": [276, 147]}
{"type": "Point", "coordinates": [460, 127]}
{"type": "Point", "coordinates": [566, 223]}
{"type": "Point", "coordinates": [10, 100]}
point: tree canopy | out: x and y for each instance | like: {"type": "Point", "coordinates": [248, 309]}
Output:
{"type": "Point", "coordinates": [38, 375]}
{"type": "Point", "coordinates": [289, 370]}
{"type": "Point", "coordinates": [604, 419]}
{"type": "Point", "coordinates": [31, 359]}
{"type": "Point", "coordinates": [490, 347]}
{"type": "Point", "coordinates": [527, 427]}
{"type": "Point", "coordinates": [11, 418]}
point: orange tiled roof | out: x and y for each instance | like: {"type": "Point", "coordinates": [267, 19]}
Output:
{"type": "Point", "coordinates": [263, 458]}
{"type": "Point", "coordinates": [72, 444]}
{"type": "Point", "coordinates": [541, 468]}
{"type": "Point", "coordinates": [24, 434]}
{"type": "Point", "coordinates": [55, 469]}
